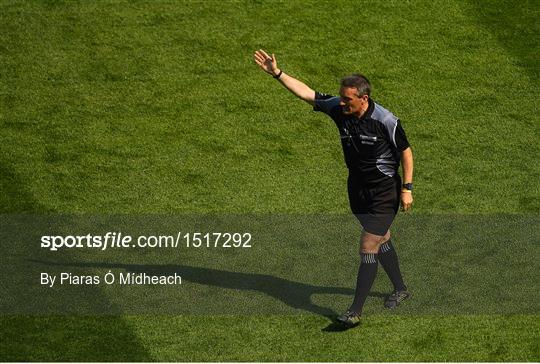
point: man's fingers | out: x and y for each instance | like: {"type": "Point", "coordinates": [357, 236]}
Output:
{"type": "Point", "coordinates": [262, 57]}
{"type": "Point", "coordinates": [266, 62]}
{"type": "Point", "coordinates": [258, 55]}
{"type": "Point", "coordinates": [259, 58]}
{"type": "Point", "coordinates": [265, 55]}
{"type": "Point", "coordinates": [406, 206]}
{"type": "Point", "coordinates": [261, 62]}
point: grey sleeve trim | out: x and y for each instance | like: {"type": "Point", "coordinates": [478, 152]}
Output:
{"type": "Point", "coordinates": [388, 119]}
{"type": "Point", "coordinates": [393, 134]}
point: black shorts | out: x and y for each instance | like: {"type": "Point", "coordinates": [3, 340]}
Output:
{"type": "Point", "coordinates": [374, 205]}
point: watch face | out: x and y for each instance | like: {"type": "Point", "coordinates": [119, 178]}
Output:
{"type": "Point", "coordinates": [407, 186]}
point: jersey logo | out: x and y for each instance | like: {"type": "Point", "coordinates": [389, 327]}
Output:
{"type": "Point", "coordinates": [369, 140]}
{"type": "Point", "coordinates": [364, 139]}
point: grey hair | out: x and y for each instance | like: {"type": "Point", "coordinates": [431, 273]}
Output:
{"type": "Point", "coordinates": [359, 82]}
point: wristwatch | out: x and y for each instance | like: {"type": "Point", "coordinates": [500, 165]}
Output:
{"type": "Point", "coordinates": [407, 186]}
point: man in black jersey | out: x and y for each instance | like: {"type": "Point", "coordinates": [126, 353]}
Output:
{"type": "Point", "coordinates": [374, 144]}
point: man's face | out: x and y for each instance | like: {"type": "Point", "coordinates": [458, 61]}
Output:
{"type": "Point", "coordinates": [351, 103]}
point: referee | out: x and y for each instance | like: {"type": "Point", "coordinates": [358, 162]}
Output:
{"type": "Point", "coordinates": [374, 143]}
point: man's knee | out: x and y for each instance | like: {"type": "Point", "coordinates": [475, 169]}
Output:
{"type": "Point", "coordinates": [386, 237]}
{"type": "Point", "coordinates": [370, 242]}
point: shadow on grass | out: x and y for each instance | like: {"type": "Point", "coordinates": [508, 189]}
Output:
{"type": "Point", "coordinates": [14, 198]}
{"type": "Point", "coordinates": [69, 338]}
{"type": "Point", "coordinates": [27, 338]}
{"type": "Point", "coordinates": [335, 327]}
{"type": "Point", "coordinates": [294, 294]}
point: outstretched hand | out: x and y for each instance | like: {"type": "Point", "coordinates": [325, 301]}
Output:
{"type": "Point", "coordinates": [267, 63]}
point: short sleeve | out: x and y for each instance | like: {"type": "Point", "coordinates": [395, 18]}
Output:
{"type": "Point", "coordinates": [400, 139]}
{"type": "Point", "coordinates": [325, 103]}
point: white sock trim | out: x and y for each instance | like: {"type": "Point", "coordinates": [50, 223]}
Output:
{"type": "Point", "coordinates": [385, 247]}
{"type": "Point", "coordinates": [369, 258]}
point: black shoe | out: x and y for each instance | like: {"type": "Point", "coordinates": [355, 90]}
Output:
{"type": "Point", "coordinates": [396, 298]}
{"type": "Point", "coordinates": [349, 319]}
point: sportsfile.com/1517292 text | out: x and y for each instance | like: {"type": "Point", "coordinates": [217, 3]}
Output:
{"type": "Point", "coordinates": [120, 240]}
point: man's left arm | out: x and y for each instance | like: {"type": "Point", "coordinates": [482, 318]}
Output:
{"type": "Point", "coordinates": [399, 141]}
{"type": "Point", "coordinates": [407, 168]}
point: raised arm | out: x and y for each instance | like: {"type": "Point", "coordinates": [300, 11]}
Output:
{"type": "Point", "coordinates": [269, 65]}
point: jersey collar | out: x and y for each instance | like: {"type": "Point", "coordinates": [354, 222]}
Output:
{"type": "Point", "coordinates": [369, 111]}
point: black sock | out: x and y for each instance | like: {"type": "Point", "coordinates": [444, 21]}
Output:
{"type": "Point", "coordinates": [389, 260]}
{"type": "Point", "coordinates": [364, 281]}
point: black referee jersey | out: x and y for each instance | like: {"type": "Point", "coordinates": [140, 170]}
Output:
{"type": "Point", "coordinates": [372, 144]}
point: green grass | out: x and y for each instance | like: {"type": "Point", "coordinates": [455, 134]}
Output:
{"type": "Point", "coordinates": [142, 107]}
{"type": "Point", "coordinates": [274, 338]}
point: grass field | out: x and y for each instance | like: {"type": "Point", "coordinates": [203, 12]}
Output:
{"type": "Point", "coordinates": [141, 107]}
